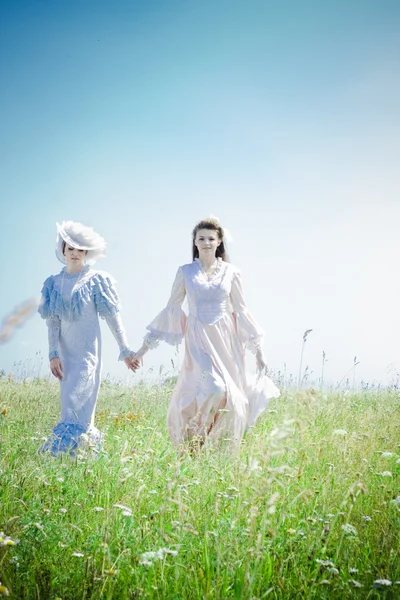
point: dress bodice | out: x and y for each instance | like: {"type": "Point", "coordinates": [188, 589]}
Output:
{"type": "Point", "coordinates": [69, 296]}
{"type": "Point", "coordinates": [208, 297]}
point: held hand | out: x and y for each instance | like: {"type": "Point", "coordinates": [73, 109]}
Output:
{"type": "Point", "coordinates": [261, 362]}
{"type": "Point", "coordinates": [56, 368]}
{"type": "Point", "coordinates": [132, 362]}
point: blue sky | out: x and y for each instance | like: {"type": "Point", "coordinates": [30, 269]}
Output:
{"type": "Point", "coordinates": [281, 118]}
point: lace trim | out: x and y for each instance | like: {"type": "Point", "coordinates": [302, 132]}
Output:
{"type": "Point", "coordinates": [125, 354]}
{"type": "Point", "coordinates": [151, 341]}
{"type": "Point", "coordinates": [153, 338]}
{"type": "Point", "coordinates": [117, 329]}
{"type": "Point", "coordinates": [97, 285]}
{"type": "Point", "coordinates": [214, 274]}
{"type": "Point", "coordinates": [54, 327]}
{"type": "Point", "coordinates": [64, 438]}
{"type": "Point", "coordinates": [68, 437]}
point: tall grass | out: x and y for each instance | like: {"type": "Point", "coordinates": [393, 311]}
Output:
{"type": "Point", "coordinates": [308, 507]}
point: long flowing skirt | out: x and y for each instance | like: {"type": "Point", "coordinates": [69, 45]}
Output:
{"type": "Point", "coordinates": [215, 395]}
{"type": "Point", "coordinates": [80, 355]}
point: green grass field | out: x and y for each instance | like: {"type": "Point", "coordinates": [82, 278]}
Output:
{"type": "Point", "coordinates": [308, 507]}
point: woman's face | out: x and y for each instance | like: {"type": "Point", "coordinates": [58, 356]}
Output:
{"type": "Point", "coordinates": [207, 242]}
{"type": "Point", "coordinates": [75, 258]}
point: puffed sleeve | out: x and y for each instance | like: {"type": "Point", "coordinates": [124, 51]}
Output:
{"type": "Point", "coordinates": [46, 311]}
{"type": "Point", "coordinates": [249, 332]}
{"type": "Point", "coordinates": [108, 306]}
{"type": "Point", "coordinates": [169, 325]}
{"type": "Point", "coordinates": [105, 294]}
{"type": "Point", "coordinates": [44, 308]}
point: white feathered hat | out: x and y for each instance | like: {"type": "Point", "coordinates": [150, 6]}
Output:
{"type": "Point", "coordinates": [81, 237]}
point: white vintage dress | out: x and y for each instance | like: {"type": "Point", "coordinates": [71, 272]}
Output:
{"type": "Point", "coordinates": [71, 305]}
{"type": "Point", "coordinates": [215, 395]}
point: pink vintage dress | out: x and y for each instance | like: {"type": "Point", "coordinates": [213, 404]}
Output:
{"type": "Point", "coordinates": [215, 395]}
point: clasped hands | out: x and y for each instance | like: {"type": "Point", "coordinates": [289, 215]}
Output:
{"type": "Point", "coordinates": [132, 362]}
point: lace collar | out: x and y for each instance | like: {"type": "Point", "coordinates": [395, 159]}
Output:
{"type": "Point", "coordinates": [216, 271]}
{"type": "Point", "coordinates": [79, 279]}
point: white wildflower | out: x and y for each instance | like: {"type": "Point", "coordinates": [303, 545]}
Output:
{"type": "Point", "coordinates": [356, 584]}
{"type": "Point", "coordinates": [169, 551]}
{"type": "Point", "coordinates": [340, 432]}
{"type": "Point", "coordinates": [63, 511]}
{"type": "Point", "coordinates": [147, 558]}
{"type": "Point", "coordinates": [349, 529]}
{"type": "Point", "coordinates": [353, 571]}
{"type": "Point", "coordinates": [5, 540]}
{"type": "Point", "coordinates": [126, 511]}
{"type": "Point", "coordinates": [98, 508]}
{"type": "Point", "coordinates": [382, 583]}
{"type": "Point", "coordinates": [325, 563]}
{"type": "Point", "coordinates": [158, 555]}
{"type": "Point", "coordinates": [78, 554]}
{"type": "Point", "coordinates": [387, 454]}
{"type": "Point", "coordinates": [385, 474]}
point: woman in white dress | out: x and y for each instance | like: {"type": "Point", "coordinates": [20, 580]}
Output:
{"type": "Point", "coordinates": [215, 395]}
{"type": "Point", "coordinates": [71, 303]}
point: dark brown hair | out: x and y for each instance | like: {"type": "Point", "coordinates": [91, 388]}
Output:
{"type": "Point", "coordinates": [213, 225]}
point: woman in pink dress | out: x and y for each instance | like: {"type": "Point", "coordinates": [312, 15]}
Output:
{"type": "Point", "coordinates": [215, 395]}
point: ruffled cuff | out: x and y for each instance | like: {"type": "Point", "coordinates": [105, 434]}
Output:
{"type": "Point", "coordinates": [126, 354]}
{"type": "Point", "coordinates": [53, 354]}
{"type": "Point", "coordinates": [151, 341]}
{"type": "Point", "coordinates": [169, 326]}
{"type": "Point", "coordinates": [44, 304]}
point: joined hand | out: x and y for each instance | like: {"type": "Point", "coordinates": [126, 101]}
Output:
{"type": "Point", "coordinates": [132, 362]}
